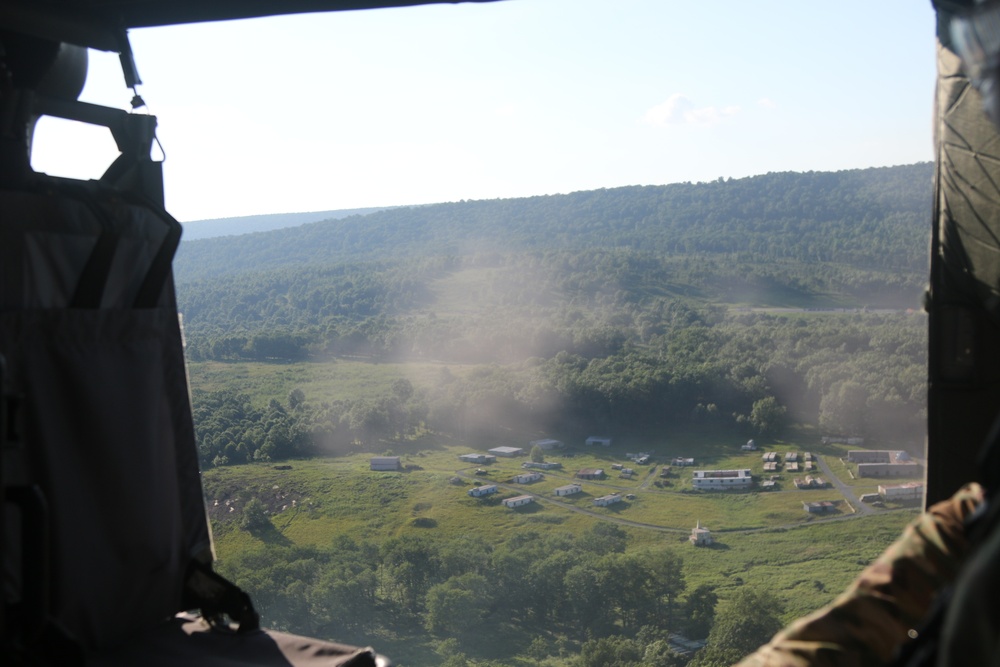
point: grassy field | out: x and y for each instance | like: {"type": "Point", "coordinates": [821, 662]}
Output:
{"type": "Point", "coordinates": [762, 537]}
{"type": "Point", "coordinates": [331, 380]}
{"type": "Point", "coordinates": [339, 494]}
{"type": "Point", "coordinates": [806, 566]}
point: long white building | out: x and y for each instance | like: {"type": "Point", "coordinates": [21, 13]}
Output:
{"type": "Point", "coordinates": [716, 480]}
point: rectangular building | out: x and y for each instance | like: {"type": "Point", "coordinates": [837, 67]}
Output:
{"type": "Point", "coordinates": [908, 491]}
{"type": "Point", "coordinates": [568, 490]}
{"type": "Point", "coordinates": [716, 480]}
{"type": "Point", "coordinates": [819, 507]}
{"type": "Point", "coordinates": [890, 470]}
{"type": "Point", "coordinates": [518, 501]}
{"type": "Point", "coordinates": [484, 490]}
{"type": "Point", "coordinates": [477, 458]}
{"type": "Point", "coordinates": [866, 456]}
{"type": "Point", "coordinates": [508, 452]}
{"type": "Point", "coordinates": [546, 444]}
{"type": "Point", "coordinates": [609, 499]}
{"type": "Point", "coordinates": [385, 463]}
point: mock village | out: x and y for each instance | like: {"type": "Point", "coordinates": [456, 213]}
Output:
{"type": "Point", "coordinates": [859, 482]}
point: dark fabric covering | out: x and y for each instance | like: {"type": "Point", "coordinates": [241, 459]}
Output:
{"type": "Point", "coordinates": [106, 463]}
{"type": "Point", "coordinates": [969, 202]}
{"type": "Point", "coordinates": [107, 422]}
{"type": "Point", "coordinates": [964, 297]}
{"type": "Point", "coordinates": [187, 640]}
{"type": "Point", "coordinates": [109, 441]}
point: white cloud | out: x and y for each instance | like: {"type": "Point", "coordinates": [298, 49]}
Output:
{"type": "Point", "coordinates": [679, 110]}
{"type": "Point", "coordinates": [767, 103]}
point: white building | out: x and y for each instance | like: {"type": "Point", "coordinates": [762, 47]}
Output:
{"type": "Point", "coordinates": [598, 440]}
{"type": "Point", "coordinates": [908, 491]}
{"type": "Point", "coordinates": [508, 452]}
{"type": "Point", "coordinates": [527, 477]}
{"type": "Point", "coordinates": [610, 499]}
{"type": "Point", "coordinates": [477, 458]}
{"type": "Point", "coordinates": [716, 480]}
{"type": "Point", "coordinates": [700, 537]}
{"type": "Point", "coordinates": [518, 501]}
{"type": "Point", "coordinates": [568, 490]}
{"type": "Point", "coordinates": [890, 470]}
{"type": "Point", "coordinates": [484, 490]}
{"type": "Point", "coordinates": [385, 463]}
{"type": "Point", "coordinates": [869, 456]}
{"type": "Point", "coordinates": [546, 444]}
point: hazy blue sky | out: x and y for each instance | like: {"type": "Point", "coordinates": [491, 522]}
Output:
{"type": "Point", "coordinates": [521, 97]}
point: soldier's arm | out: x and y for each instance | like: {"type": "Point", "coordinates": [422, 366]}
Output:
{"type": "Point", "coordinates": [881, 610]}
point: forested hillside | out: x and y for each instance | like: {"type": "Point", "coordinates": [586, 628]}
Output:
{"type": "Point", "coordinates": [853, 238]}
{"type": "Point", "coordinates": [871, 219]}
{"type": "Point", "coordinates": [247, 224]}
{"type": "Point", "coordinates": [627, 309]}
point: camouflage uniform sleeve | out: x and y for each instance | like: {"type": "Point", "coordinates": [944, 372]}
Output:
{"type": "Point", "coordinates": [866, 624]}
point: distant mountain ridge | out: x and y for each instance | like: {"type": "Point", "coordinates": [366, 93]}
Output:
{"type": "Point", "coordinates": [248, 224]}
{"type": "Point", "coordinates": [871, 219]}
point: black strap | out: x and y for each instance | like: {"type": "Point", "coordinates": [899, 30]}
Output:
{"type": "Point", "coordinates": [94, 278]}
{"type": "Point", "coordinates": [215, 595]}
{"type": "Point", "coordinates": [159, 269]}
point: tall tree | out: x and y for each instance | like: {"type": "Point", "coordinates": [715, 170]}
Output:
{"type": "Point", "coordinates": [699, 612]}
{"type": "Point", "coordinates": [767, 416]}
{"type": "Point", "coordinates": [751, 619]}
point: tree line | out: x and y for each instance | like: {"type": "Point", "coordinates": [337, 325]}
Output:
{"type": "Point", "coordinates": [531, 305]}
{"type": "Point", "coordinates": [851, 374]}
{"type": "Point", "coordinates": [547, 593]}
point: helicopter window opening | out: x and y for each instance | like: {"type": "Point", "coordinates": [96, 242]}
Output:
{"type": "Point", "coordinates": [71, 149]}
{"type": "Point", "coordinates": [398, 112]}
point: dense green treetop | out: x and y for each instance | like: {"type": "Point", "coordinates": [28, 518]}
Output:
{"type": "Point", "coordinates": [871, 218]}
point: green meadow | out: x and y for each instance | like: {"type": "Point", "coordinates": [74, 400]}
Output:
{"type": "Point", "coordinates": [335, 379]}
{"type": "Point", "coordinates": [761, 537]}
